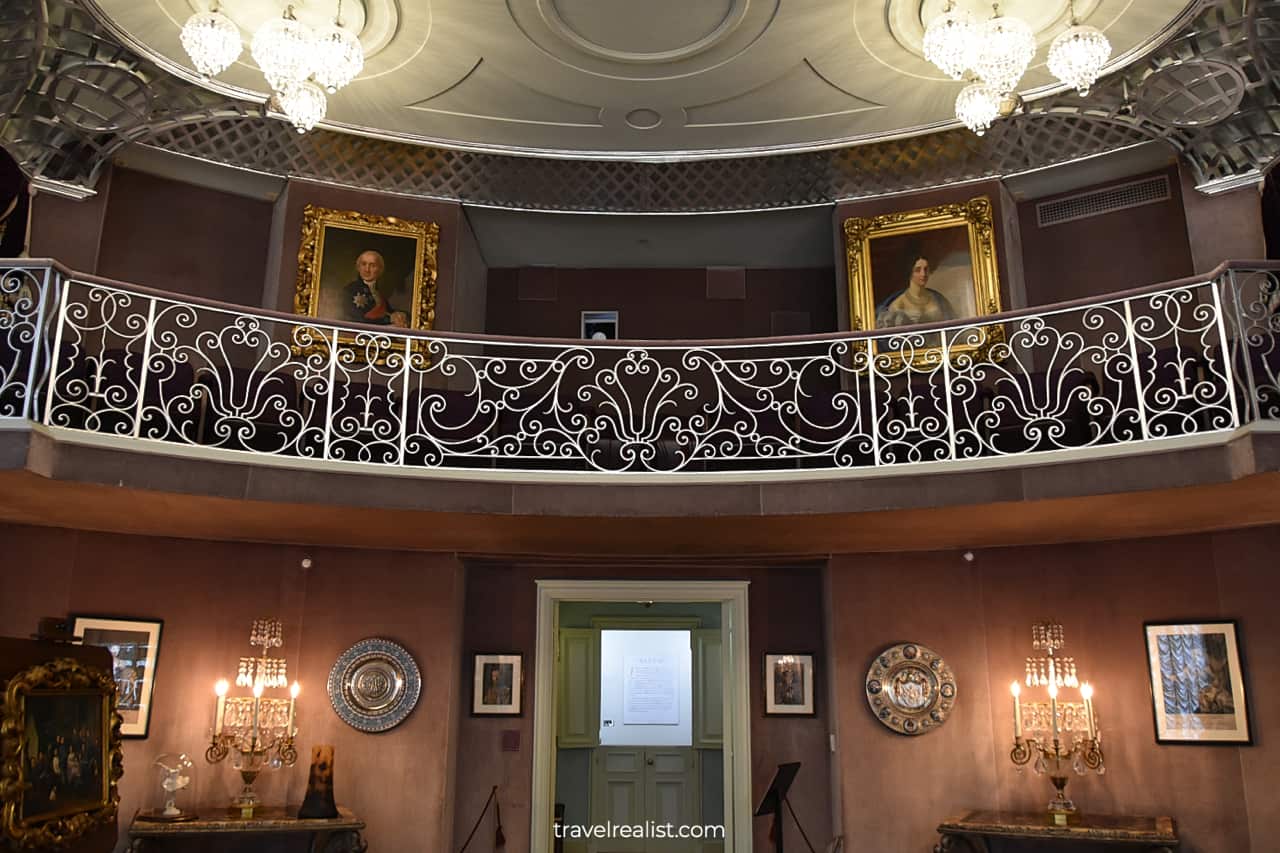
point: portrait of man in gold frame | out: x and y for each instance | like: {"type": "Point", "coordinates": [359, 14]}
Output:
{"type": "Point", "coordinates": [60, 753]}
{"type": "Point", "coordinates": [930, 265]}
{"type": "Point", "coordinates": [364, 268]}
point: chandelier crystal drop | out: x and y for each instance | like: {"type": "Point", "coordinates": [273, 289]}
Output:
{"type": "Point", "coordinates": [212, 40]}
{"type": "Point", "coordinates": [978, 105]}
{"type": "Point", "coordinates": [1076, 56]}
{"type": "Point", "coordinates": [284, 49]}
{"type": "Point", "coordinates": [338, 57]}
{"type": "Point", "coordinates": [951, 41]}
{"type": "Point", "coordinates": [1006, 47]}
{"type": "Point", "coordinates": [303, 103]}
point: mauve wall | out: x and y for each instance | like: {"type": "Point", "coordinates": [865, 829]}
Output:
{"type": "Point", "coordinates": [978, 616]}
{"type": "Point", "coordinates": [1106, 253]}
{"type": "Point", "coordinates": [661, 303]}
{"type": "Point", "coordinates": [165, 234]}
{"type": "Point", "coordinates": [208, 593]}
{"type": "Point", "coordinates": [785, 606]}
{"type": "Point", "coordinates": [183, 238]}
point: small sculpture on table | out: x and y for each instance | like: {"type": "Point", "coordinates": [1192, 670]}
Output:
{"type": "Point", "coordinates": [174, 780]}
{"type": "Point", "coordinates": [319, 802]}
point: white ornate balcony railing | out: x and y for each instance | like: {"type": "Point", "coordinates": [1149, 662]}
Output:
{"type": "Point", "coordinates": [1189, 358]}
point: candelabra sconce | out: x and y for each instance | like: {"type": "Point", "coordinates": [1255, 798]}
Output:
{"type": "Point", "coordinates": [1057, 735]}
{"type": "Point", "coordinates": [256, 731]}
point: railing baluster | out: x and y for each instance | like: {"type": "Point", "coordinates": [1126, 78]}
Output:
{"type": "Point", "coordinates": [328, 404]}
{"type": "Point", "coordinates": [29, 396]}
{"type": "Point", "coordinates": [1133, 360]}
{"type": "Point", "coordinates": [1228, 374]}
{"type": "Point", "coordinates": [1242, 340]}
{"type": "Point", "coordinates": [146, 360]}
{"type": "Point", "coordinates": [871, 398]}
{"type": "Point", "coordinates": [63, 296]}
{"type": "Point", "coordinates": [404, 399]}
{"type": "Point", "coordinates": [946, 393]}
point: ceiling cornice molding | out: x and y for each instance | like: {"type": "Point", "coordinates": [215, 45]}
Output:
{"type": "Point", "coordinates": [62, 59]}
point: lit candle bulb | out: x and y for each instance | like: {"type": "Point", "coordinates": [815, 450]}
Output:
{"type": "Point", "coordinates": [293, 697]}
{"type": "Point", "coordinates": [1016, 689]}
{"type": "Point", "coordinates": [1053, 706]}
{"type": "Point", "coordinates": [220, 705]}
{"type": "Point", "coordinates": [1086, 690]}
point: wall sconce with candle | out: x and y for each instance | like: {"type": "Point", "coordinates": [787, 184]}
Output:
{"type": "Point", "coordinates": [257, 731]}
{"type": "Point", "coordinates": [1058, 733]}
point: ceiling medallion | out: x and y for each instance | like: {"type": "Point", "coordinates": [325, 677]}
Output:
{"type": "Point", "coordinates": [910, 689]}
{"type": "Point", "coordinates": [300, 64]}
{"type": "Point", "coordinates": [994, 55]}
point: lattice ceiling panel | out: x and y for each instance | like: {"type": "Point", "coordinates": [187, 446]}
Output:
{"type": "Point", "coordinates": [71, 96]}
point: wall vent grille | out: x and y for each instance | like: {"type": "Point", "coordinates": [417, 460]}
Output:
{"type": "Point", "coordinates": [1098, 202]}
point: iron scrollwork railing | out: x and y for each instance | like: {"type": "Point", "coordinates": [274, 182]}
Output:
{"type": "Point", "coordinates": [1191, 358]}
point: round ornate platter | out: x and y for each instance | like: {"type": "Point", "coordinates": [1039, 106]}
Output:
{"type": "Point", "coordinates": [374, 685]}
{"type": "Point", "coordinates": [910, 688]}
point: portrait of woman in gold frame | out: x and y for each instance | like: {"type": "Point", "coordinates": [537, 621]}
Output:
{"type": "Point", "coordinates": [931, 265]}
{"type": "Point", "coordinates": [364, 268]}
{"type": "Point", "coordinates": [61, 758]}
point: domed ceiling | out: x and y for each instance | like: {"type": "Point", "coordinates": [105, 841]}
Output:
{"type": "Point", "coordinates": [641, 79]}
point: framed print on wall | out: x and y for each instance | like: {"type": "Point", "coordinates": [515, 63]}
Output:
{"type": "Point", "coordinates": [498, 679]}
{"type": "Point", "coordinates": [925, 266]}
{"type": "Point", "coordinates": [363, 268]}
{"type": "Point", "coordinates": [788, 684]}
{"type": "Point", "coordinates": [1197, 683]}
{"type": "Point", "coordinates": [60, 740]}
{"type": "Point", "coordinates": [135, 648]}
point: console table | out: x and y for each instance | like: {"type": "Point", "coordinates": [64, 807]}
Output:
{"type": "Point", "coordinates": [970, 832]}
{"type": "Point", "coordinates": [223, 827]}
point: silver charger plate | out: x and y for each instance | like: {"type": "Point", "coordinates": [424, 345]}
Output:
{"type": "Point", "coordinates": [374, 685]}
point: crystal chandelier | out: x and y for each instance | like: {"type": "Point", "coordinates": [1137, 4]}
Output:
{"type": "Point", "coordinates": [992, 56]}
{"type": "Point", "coordinates": [256, 731]}
{"type": "Point", "coordinates": [1057, 735]}
{"type": "Point", "coordinates": [212, 41]}
{"type": "Point", "coordinates": [949, 41]}
{"type": "Point", "coordinates": [1077, 55]}
{"type": "Point", "coordinates": [300, 65]}
{"type": "Point", "coordinates": [978, 105]}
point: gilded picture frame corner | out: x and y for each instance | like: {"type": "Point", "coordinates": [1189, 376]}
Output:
{"type": "Point", "coordinates": [71, 678]}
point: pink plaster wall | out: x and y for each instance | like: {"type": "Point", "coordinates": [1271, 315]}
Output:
{"type": "Point", "coordinates": [978, 616]}
{"type": "Point", "coordinates": [208, 593]}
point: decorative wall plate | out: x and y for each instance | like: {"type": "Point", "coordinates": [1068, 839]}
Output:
{"type": "Point", "coordinates": [374, 685]}
{"type": "Point", "coordinates": [910, 688]}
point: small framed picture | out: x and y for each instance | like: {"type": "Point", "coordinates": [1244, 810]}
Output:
{"type": "Point", "coordinates": [498, 681]}
{"type": "Point", "coordinates": [600, 325]}
{"type": "Point", "coordinates": [1197, 683]}
{"type": "Point", "coordinates": [135, 648]}
{"type": "Point", "coordinates": [788, 684]}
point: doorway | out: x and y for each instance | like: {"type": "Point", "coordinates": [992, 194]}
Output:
{"type": "Point", "coordinates": [641, 714]}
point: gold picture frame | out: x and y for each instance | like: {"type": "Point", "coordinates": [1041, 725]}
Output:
{"type": "Point", "coordinates": [957, 242]}
{"type": "Point", "coordinates": [60, 753]}
{"type": "Point", "coordinates": [332, 287]}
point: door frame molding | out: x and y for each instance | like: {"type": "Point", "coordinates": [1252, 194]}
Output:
{"type": "Point", "coordinates": [732, 596]}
